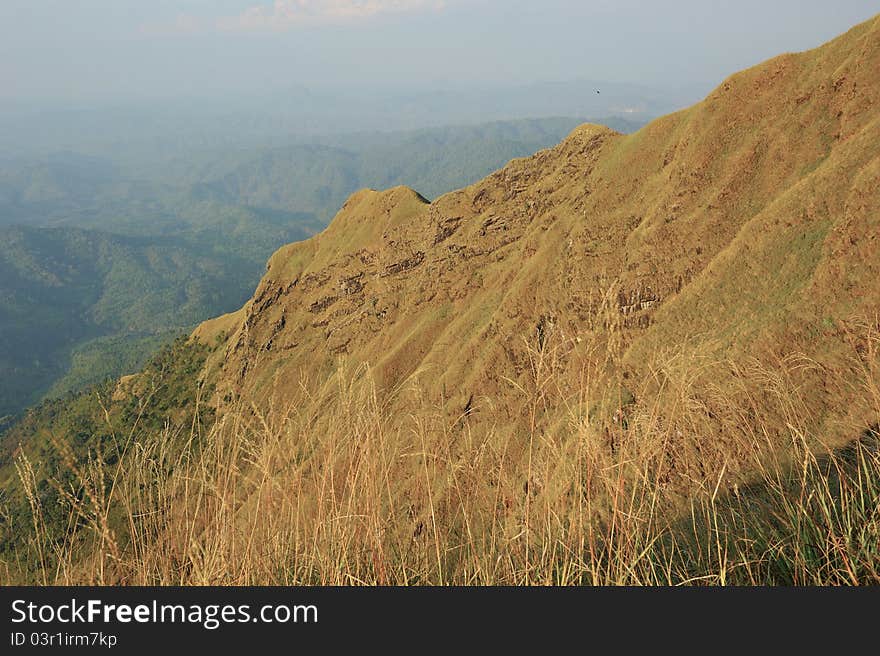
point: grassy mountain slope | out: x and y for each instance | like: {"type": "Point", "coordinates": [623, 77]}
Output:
{"type": "Point", "coordinates": [721, 227]}
{"type": "Point", "coordinates": [645, 358]}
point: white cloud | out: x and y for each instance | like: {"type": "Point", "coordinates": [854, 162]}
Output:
{"type": "Point", "coordinates": [285, 14]}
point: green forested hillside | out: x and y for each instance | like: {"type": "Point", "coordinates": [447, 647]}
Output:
{"type": "Point", "coordinates": [168, 390]}
{"type": "Point", "coordinates": [99, 302]}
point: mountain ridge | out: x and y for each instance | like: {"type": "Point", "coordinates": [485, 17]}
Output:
{"type": "Point", "coordinates": [221, 213]}
{"type": "Point", "coordinates": [640, 240]}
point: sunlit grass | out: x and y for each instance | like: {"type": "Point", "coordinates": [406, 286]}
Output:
{"type": "Point", "coordinates": [690, 485]}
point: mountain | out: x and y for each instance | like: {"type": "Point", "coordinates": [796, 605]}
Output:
{"type": "Point", "coordinates": [78, 306]}
{"type": "Point", "coordinates": [742, 225]}
{"type": "Point", "coordinates": [157, 128]}
{"type": "Point", "coordinates": [644, 358]}
{"type": "Point", "coordinates": [67, 176]}
{"type": "Point", "coordinates": [140, 192]}
{"type": "Point", "coordinates": [170, 243]}
{"type": "Point", "coordinates": [317, 177]}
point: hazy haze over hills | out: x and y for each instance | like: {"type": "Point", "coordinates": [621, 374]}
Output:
{"type": "Point", "coordinates": [121, 73]}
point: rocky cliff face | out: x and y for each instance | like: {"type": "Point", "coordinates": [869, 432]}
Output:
{"type": "Point", "coordinates": [746, 225]}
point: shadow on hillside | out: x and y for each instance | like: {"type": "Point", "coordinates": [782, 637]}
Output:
{"type": "Point", "coordinates": [814, 522]}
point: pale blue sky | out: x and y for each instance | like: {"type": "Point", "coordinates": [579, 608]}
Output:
{"type": "Point", "coordinates": [119, 51]}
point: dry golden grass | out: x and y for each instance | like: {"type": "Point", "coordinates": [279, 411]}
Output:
{"type": "Point", "coordinates": [684, 484]}
{"type": "Point", "coordinates": [712, 417]}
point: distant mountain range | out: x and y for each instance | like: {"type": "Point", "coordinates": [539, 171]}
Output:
{"type": "Point", "coordinates": [189, 124]}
